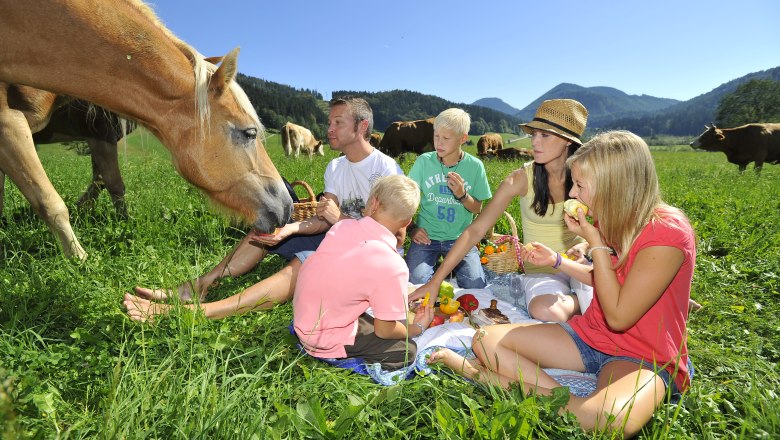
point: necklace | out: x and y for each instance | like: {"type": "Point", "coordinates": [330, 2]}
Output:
{"type": "Point", "coordinates": [449, 168]}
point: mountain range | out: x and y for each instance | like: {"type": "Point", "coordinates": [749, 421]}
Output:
{"type": "Point", "coordinates": [645, 115]}
{"type": "Point", "coordinates": [609, 108]}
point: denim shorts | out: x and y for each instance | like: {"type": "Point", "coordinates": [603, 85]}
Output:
{"type": "Point", "coordinates": [595, 360]}
{"type": "Point", "coordinates": [297, 246]}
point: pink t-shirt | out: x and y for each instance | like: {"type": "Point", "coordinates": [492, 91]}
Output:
{"type": "Point", "coordinates": [355, 267]}
{"type": "Point", "coordinates": [660, 335]}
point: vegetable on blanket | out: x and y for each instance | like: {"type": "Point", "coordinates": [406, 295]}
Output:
{"type": "Point", "coordinates": [426, 299]}
{"type": "Point", "coordinates": [468, 302]}
{"type": "Point", "coordinates": [449, 305]}
{"type": "Point", "coordinates": [446, 290]}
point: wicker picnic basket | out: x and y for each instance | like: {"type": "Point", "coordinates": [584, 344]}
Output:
{"type": "Point", "coordinates": [306, 207]}
{"type": "Point", "coordinates": [507, 261]}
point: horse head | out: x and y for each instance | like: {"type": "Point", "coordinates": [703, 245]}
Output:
{"type": "Point", "coordinates": [226, 157]}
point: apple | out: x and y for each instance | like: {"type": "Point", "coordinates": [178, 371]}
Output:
{"type": "Point", "coordinates": [437, 320]}
{"type": "Point", "coordinates": [458, 316]}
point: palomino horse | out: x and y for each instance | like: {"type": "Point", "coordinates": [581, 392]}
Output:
{"type": "Point", "coordinates": [76, 120]}
{"type": "Point", "coordinates": [117, 55]}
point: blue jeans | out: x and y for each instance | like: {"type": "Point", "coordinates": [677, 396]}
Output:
{"type": "Point", "coordinates": [422, 260]}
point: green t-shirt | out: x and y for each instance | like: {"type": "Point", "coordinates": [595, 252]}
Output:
{"type": "Point", "coordinates": [443, 217]}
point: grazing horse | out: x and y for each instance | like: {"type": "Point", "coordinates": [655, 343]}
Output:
{"type": "Point", "coordinates": [117, 55]}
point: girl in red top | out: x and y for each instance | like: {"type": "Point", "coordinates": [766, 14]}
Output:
{"type": "Point", "coordinates": [633, 336]}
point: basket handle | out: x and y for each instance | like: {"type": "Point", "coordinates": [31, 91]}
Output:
{"type": "Point", "coordinates": [308, 189]}
{"type": "Point", "coordinates": [512, 224]}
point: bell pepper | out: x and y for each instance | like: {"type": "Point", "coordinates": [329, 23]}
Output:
{"type": "Point", "coordinates": [446, 290]}
{"type": "Point", "coordinates": [426, 299]}
{"type": "Point", "coordinates": [468, 302]}
{"type": "Point", "coordinates": [449, 305]}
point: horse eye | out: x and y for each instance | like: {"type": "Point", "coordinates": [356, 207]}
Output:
{"type": "Point", "coordinates": [250, 133]}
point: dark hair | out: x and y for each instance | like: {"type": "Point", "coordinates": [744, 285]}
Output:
{"type": "Point", "coordinates": [542, 196]}
{"type": "Point", "coordinates": [360, 109]}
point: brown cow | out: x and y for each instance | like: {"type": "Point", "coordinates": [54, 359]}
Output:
{"type": "Point", "coordinates": [296, 138]}
{"type": "Point", "coordinates": [408, 136]}
{"type": "Point", "coordinates": [489, 143]}
{"type": "Point", "coordinates": [375, 139]}
{"type": "Point", "coordinates": [757, 143]}
{"type": "Point", "coordinates": [515, 154]}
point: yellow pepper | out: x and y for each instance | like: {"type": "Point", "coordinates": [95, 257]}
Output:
{"type": "Point", "coordinates": [426, 299]}
{"type": "Point", "coordinates": [449, 305]}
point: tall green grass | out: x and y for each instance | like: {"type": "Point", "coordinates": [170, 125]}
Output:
{"type": "Point", "coordinates": [73, 366]}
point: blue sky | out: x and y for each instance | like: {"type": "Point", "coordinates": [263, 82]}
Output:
{"type": "Point", "coordinates": [466, 50]}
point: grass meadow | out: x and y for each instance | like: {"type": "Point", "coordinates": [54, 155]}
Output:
{"type": "Point", "coordinates": [73, 366]}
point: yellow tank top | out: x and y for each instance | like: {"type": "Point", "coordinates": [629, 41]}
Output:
{"type": "Point", "coordinates": [549, 229]}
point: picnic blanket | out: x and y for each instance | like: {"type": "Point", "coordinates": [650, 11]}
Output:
{"type": "Point", "coordinates": [457, 336]}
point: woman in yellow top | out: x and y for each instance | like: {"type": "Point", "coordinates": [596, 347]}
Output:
{"type": "Point", "coordinates": [541, 186]}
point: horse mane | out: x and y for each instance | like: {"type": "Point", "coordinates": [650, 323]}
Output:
{"type": "Point", "coordinates": [202, 70]}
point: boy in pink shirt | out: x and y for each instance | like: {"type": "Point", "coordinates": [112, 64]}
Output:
{"type": "Point", "coordinates": [357, 267]}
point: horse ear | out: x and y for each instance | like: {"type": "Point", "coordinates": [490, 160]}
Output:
{"type": "Point", "coordinates": [225, 73]}
{"type": "Point", "coordinates": [214, 60]}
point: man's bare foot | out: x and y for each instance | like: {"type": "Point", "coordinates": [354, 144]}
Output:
{"type": "Point", "coordinates": [141, 309]}
{"type": "Point", "coordinates": [185, 292]}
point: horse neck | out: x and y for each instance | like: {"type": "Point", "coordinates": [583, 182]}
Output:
{"type": "Point", "coordinates": [83, 51]}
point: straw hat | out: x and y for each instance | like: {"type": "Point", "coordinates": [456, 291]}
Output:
{"type": "Point", "coordinates": [564, 117]}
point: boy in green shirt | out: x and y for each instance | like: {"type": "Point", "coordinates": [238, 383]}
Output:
{"type": "Point", "coordinates": [453, 185]}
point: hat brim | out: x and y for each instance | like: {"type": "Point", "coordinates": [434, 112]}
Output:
{"type": "Point", "coordinates": [538, 125]}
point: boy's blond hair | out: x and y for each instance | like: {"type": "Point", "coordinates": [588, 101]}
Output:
{"type": "Point", "coordinates": [453, 119]}
{"type": "Point", "coordinates": [398, 195]}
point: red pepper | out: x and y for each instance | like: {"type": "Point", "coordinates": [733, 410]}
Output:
{"type": "Point", "coordinates": [468, 302]}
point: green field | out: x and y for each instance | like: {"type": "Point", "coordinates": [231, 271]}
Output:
{"type": "Point", "coordinates": [73, 366]}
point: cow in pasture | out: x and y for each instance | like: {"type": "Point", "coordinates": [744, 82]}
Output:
{"type": "Point", "coordinates": [759, 143]}
{"type": "Point", "coordinates": [510, 154]}
{"type": "Point", "coordinates": [408, 136]}
{"type": "Point", "coordinates": [296, 139]}
{"type": "Point", "coordinates": [375, 139]}
{"type": "Point", "coordinates": [489, 143]}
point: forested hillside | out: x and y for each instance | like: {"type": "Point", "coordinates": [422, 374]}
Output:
{"type": "Point", "coordinates": [605, 104]}
{"type": "Point", "coordinates": [609, 108]}
{"type": "Point", "coordinates": [405, 105]}
{"type": "Point", "coordinates": [277, 103]}
{"type": "Point", "coordinates": [688, 118]}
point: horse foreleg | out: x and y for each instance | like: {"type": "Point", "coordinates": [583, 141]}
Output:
{"type": "Point", "coordinates": [20, 161]}
{"type": "Point", "coordinates": [105, 174]}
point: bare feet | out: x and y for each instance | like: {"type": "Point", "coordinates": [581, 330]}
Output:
{"type": "Point", "coordinates": [185, 292]}
{"type": "Point", "coordinates": [454, 361]}
{"type": "Point", "coordinates": [141, 309]}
